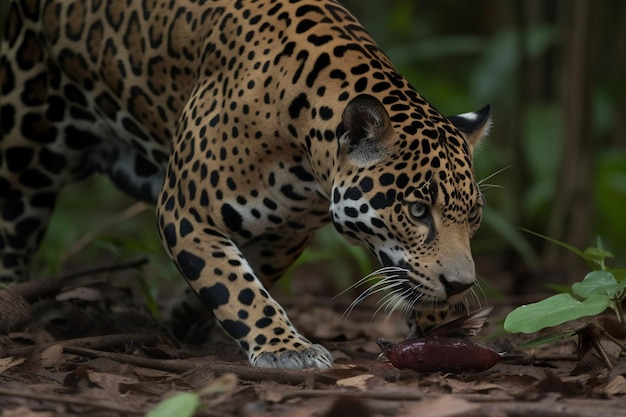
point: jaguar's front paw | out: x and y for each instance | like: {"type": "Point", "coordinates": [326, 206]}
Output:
{"type": "Point", "coordinates": [311, 356]}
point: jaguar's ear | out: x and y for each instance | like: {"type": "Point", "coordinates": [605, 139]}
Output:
{"type": "Point", "coordinates": [365, 124]}
{"type": "Point", "coordinates": [474, 125]}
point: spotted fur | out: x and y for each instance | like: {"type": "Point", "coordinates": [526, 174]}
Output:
{"type": "Point", "coordinates": [249, 124]}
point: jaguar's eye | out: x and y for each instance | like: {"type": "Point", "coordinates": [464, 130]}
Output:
{"type": "Point", "coordinates": [419, 211]}
{"type": "Point", "coordinates": [474, 212]}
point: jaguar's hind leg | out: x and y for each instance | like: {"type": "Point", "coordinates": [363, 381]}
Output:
{"type": "Point", "coordinates": [29, 166]}
{"type": "Point", "coordinates": [38, 153]}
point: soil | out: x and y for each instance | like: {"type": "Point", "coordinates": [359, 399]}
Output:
{"type": "Point", "coordinates": [88, 343]}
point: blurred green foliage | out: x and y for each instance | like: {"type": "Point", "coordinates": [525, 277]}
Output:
{"type": "Point", "coordinates": [94, 222]}
{"type": "Point", "coordinates": [460, 56]}
{"type": "Point", "coordinates": [610, 195]}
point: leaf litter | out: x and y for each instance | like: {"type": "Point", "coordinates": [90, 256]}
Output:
{"type": "Point", "coordinates": [108, 356]}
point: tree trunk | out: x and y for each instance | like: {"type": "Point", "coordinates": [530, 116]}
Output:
{"type": "Point", "coordinates": [572, 215]}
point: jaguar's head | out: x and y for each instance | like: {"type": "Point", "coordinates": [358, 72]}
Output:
{"type": "Point", "coordinates": [406, 191]}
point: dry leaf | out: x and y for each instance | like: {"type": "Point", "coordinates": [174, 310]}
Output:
{"type": "Point", "coordinates": [112, 383]}
{"type": "Point", "coordinates": [618, 369]}
{"type": "Point", "coordinates": [555, 383]}
{"type": "Point", "coordinates": [272, 396]}
{"type": "Point", "coordinates": [52, 357]}
{"type": "Point", "coordinates": [10, 362]}
{"type": "Point", "coordinates": [343, 407]}
{"type": "Point", "coordinates": [446, 406]}
{"type": "Point", "coordinates": [223, 384]}
{"type": "Point", "coordinates": [80, 293]}
{"type": "Point", "coordinates": [617, 386]}
{"type": "Point", "coordinates": [78, 378]}
{"type": "Point", "coordinates": [359, 382]}
{"type": "Point", "coordinates": [25, 412]}
{"type": "Point", "coordinates": [518, 385]}
{"type": "Point", "coordinates": [344, 366]}
{"type": "Point", "coordinates": [459, 386]}
{"type": "Point", "coordinates": [272, 392]}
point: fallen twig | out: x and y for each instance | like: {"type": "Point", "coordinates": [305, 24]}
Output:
{"type": "Point", "coordinates": [343, 393]}
{"type": "Point", "coordinates": [382, 395]}
{"type": "Point", "coordinates": [244, 372]}
{"type": "Point", "coordinates": [95, 342]}
{"type": "Point", "coordinates": [168, 365]}
{"type": "Point", "coordinates": [47, 287]}
{"type": "Point", "coordinates": [128, 213]}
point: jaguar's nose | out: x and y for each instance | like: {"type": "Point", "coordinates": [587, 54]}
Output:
{"type": "Point", "coordinates": [454, 287]}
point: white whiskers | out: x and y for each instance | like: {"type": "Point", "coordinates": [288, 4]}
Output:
{"type": "Point", "coordinates": [401, 294]}
{"type": "Point", "coordinates": [483, 185]}
{"type": "Point", "coordinates": [387, 279]}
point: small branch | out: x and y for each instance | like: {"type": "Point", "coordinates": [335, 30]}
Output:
{"type": "Point", "coordinates": [388, 395]}
{"type": "Point", "coordinates": [106, 268]}
{"type": "Point", "coordinates": [96, 342]}
{"type": "Point", "coordinates": [172, 365]}
{"type": "Point", "coordinates": [619, 311]}
{"type": "Point", "coordinates": [595, 342]}
{"type": "Point", "coordinates": [47, 287]}
{"type": "Point", "coordinates": [128, 213]}
{"type": "Point", "coordinates": [336, 393]}
{"type": "Point", "coordinates": [244, 372]}
{"type": "Point", "coordinates": [615, 340]}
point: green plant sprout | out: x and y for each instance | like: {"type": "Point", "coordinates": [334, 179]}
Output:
{"type": "Point", "coordinates": [183, 404]}
{"type": "Point", "coordinates": [602, 288]}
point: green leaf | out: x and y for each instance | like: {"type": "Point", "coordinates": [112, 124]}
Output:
{"type": "Point", "coordinates": [596, 282]}
{"type": "Point", "coordinates": [597, 255]}
{"type": "Point", "coordinates": [619, 291]}
{"type": "Point", "coordinates": [553, 311]}
{"type": "Point", "coordinates": [184, 404]}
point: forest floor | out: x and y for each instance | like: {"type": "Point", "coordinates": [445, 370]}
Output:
{"type": "Point", "coordinates": [88, 345]}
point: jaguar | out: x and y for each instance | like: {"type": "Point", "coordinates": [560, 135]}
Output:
{"type": "Point", "coordinates": [249, 124]}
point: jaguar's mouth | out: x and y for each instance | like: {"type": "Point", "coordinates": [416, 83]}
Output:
{"type": "Point", "coordinates": [421, 321]}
